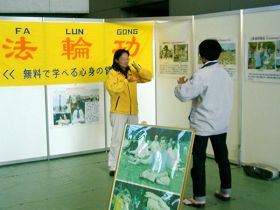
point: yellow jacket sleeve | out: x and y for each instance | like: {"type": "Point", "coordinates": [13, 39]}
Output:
{"type": "Point", "coordinates": [144, 75]}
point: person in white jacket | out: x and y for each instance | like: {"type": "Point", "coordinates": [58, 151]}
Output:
{"type": "Point", "coordinates": [211, 91]}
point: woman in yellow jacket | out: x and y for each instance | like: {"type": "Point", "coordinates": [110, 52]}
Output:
{"type": "Point", "coordinates": [121, 84]}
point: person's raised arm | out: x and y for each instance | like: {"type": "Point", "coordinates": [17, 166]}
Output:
{"type": "Point", "coordinates": [188, 89]}
{"type": "Point", "coordinates": [143, 75]}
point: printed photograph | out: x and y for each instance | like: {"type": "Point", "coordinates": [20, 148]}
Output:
{"type": "Point", "coordinates": [62, 118]}
{"type": "Point", "coordinates": [277, 63]}
{"type": "Point", "coordinates": [180, 53]}
{"type": "Point", "coordinates": [261, 55]}
{"type": "Point", "coordinates": [228, 55]}
{"type": "Point", "coordinates": [166, 52]}
{"type": "Point", "coordinates": [75, 106]}
{"type": "Point", "coordinates": [155, 157]}
{"type": "Point", "coordinates": [134, 197]}
{"type": "Point", "coordinates": [61, 110]}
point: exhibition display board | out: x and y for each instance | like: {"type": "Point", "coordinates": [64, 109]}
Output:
{"type": "Point", "coordinates": [226, 30]}
{"type": "Point", "coordinates": [44, 112]}
{"type": "Point", "coordinates": [76, 118]}
{"type": "Point", "coordinates": [170, 65]}
{"type": "Point", "coordinates": [261, 89]}
{"type": "Point", "coordinates": [23, 124]}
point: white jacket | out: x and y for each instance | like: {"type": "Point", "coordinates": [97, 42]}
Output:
{"type": "Point", "coordinates": [211, 90]}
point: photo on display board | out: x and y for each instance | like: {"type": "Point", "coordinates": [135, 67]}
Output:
{"type": "Point", "coordinates": [180, 52]}
{"type": "Point", "coordinates": [261, 55]}
{"type": "Point", "coordinates": [173, 58]}
{"type": "Point", "coordinates": [174, 52]}
{"type": "Point", "coordinates": [278, 55]}
{"type": "Point", "coordinates": [166, 52]}
{"type": "Point", "coordinates": [136, 197]}
{"type": "Point", "coordinates": [263, 58]}
{"type": "Point", "coordinates": [75, 106]}
{"type": "Point", "coordinates": [228, 55]}
{"type": "Point", "coordinates": [155, 157]}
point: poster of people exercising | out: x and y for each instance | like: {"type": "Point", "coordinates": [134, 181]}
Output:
{"type": "Point", "coordinates": [152, 168]}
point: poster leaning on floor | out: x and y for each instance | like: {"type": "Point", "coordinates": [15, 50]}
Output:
{"type": "Point", "coordinates": [152, 168]}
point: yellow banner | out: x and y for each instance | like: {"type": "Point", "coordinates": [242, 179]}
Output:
{"type": "Point", "coordinates": [20, 52]}
{"type": "Point", "coordinates": [137, 38]}
{"type": "Point", "coordinates": [36, 53]}
{"type": "Point", "coordinates": [75, 53]}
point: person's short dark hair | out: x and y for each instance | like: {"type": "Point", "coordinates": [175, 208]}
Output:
{"type": "Point", "coordinates": [210, 49]}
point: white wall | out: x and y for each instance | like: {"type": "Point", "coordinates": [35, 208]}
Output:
{"type": "Point", "coordinates": [23, 116]}
{"type": "Point", "coordinates": [23, 123]}
{"type": "Point", "coordinates": [170, 111]}
{"type": "Point", "coordinates": [261, 131]}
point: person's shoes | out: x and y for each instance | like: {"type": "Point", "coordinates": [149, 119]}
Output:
{"type": "Point", "coordinates": [222, 196]}
{"type": "Point", "coordinates": [112, 173]}
{"type": "Point", "coordinates": [194, 203]}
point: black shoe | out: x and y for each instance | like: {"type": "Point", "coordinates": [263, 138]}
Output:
{"type": "Point", "coordinates": [112, 173]}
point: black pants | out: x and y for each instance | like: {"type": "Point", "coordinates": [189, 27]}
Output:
{"type": "Point", "coordinates": [199, 156]}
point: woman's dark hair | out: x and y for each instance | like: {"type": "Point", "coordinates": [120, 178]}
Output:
{"type": "Point", "coordinates": [116, 66]}
{"type": "Point", "coordinates": [210, 49]}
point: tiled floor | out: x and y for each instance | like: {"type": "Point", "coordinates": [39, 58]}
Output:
{"type": "Point", "coordinates": [83, 183]}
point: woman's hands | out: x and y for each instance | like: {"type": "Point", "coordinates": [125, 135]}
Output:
{"type": "Point", "coordinates": [136, 66]}
{"type": "Point", "coordinates": [132, 77]}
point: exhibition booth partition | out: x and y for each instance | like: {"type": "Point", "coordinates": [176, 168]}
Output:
{"type": "Point", "coordinates": [54, 103]}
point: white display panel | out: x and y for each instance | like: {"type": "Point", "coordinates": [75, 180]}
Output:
{"type": "Point", "coordinates": [23, 124]}
{"type": "Point", "coordinates": [170, 111]}
{"type": "Point", "coordinates": [224, 27]}
{"type": "Point", "coordinates": [73, 135]}
{"type": "Point", "coordinates": [23, 118]}
{"type": "Point", "coordinates": [146, 102]}
{"type": "Point", "coordinates": [261, 100]}
{"type": "Point", "coordinates": [108, 123]}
